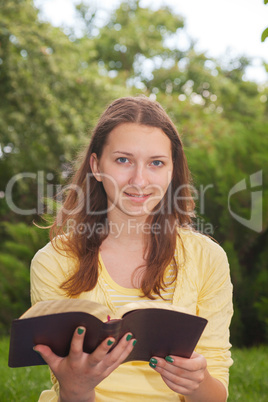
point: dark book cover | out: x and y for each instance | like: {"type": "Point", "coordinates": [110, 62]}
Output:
{"type": "Point", "coordinates": [159, 332]}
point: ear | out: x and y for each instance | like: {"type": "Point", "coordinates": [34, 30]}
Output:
{"type": "Point", "coordinates": [94, 164]}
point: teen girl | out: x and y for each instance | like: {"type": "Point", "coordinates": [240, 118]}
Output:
{"type": "Point", "coordinates": [124, 234]}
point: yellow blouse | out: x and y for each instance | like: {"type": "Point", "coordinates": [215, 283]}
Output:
{"type": "Point", "coordinates": [203, 287]}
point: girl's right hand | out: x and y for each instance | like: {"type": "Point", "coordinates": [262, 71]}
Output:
{"type": "Point", "coordinates": [79, 372]}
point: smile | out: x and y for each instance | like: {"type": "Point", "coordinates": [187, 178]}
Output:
{"type": "Point", "coordinates": [139, 196]}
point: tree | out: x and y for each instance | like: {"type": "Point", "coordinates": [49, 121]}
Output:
{"type": "Point", "coordinates": [48, 86]}
{"type": "Point", "coordinates": [265, 32]}
{"type": "Point", "coordinates": [136, 36]}
{"type": "Point", "coordinates": [16, 251]}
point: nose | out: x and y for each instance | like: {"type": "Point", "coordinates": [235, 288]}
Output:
{"type": "Point", "coordinates": [139, 177]}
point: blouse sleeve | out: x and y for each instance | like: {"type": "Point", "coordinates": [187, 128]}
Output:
{"type": "Point", "coordinates": [49, 269]}
{"type": "Point", "coordinates": [215, 304]}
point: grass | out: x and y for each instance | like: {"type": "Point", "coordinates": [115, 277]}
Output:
{"type": "Point", "coordinates": [248, 377]}
{"type": "Point", "coordinates": [21, 384]}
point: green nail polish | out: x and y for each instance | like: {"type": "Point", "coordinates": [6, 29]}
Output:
{"type": "Point", "coordinates": [169, 359]}
{"type": "Point", "coordinates": [153, 360]}
{"type": "Point", "coordinates": [109, 342]}
{"type": "Point", "coordinates": [134, 342]}
{"type": "Point", "coordinates": [80, 331]}
{"type": "Point", "coordinates": [37, 351]}
{"type": "Point", "coordinates": [129, 337]}
{"type": "Point", "coordinates": [152, 365]}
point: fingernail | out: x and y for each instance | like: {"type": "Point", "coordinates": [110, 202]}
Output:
{"type": "Point", "coordinates": [129, 337]}
{"type": "Point", "coordinates": [80, 331]}
{"type": "Point", "coordinates": [134, 342]}
{"type": "Point", "coordinates": [152, 365]}
{"type": "Point", "coordinates": [169, 359]}
{"type": "Point", "coordinates": [153, 360]}
{"type": "Point", "coordinates": [110, 342]}
{"type": "Point", "coordinates": [36, 351]}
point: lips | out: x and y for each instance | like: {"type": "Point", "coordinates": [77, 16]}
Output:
{"type": "Point", "coordinates": [137, 198]}
{"type": "Point", "coordinates": [137, 195]}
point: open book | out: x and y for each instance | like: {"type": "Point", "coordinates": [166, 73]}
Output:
{"type": "Point", "coordinates": [160, 329]}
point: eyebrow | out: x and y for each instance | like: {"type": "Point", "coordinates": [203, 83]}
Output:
{"type": "Point", "coordinates": [130, 154]}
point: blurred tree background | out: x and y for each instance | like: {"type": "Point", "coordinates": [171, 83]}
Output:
{"type": "Point", "coordinates": [54, 85]}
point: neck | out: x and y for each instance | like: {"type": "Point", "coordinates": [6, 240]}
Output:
{"type": "Point", "coordinates": [125, 231]}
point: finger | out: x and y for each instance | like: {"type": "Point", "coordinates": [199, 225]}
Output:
{"type": "Point", "coordinates": [101, 351]}
{"type": "Point", "coordinates": [121, 351]}
{"type": "Point", "coordinates": [180, 386]}
{"type": "Point", "coordinates": [174, 375]}
{"type": "Point", "coordinates": [177, 379]}
{"type": "Point", "coordinates": [194, 364]}
{"type": "Point", "coordinates": [46, 353]}
{"type": "Point", "coordinates": [163, 366]}
{"type": "Point", "coordinates": [76, 348]}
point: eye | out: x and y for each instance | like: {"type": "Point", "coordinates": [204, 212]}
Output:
{"type": "Point", "coordinates": [157, 163]}
{"type": "Point", "coordinates": [122, 159]}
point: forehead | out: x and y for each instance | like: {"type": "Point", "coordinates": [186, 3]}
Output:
{"type": "Point", "coordinates": [132, 136]}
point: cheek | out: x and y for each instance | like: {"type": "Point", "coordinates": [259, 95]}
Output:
{"type": "Point", "coordinates": [113, 182]}
{"type": "Point", "coordinates": [164, 179]}
{"type": "Point", "coordinates": [118, 176]}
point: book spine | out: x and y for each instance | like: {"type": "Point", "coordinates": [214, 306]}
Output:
{"type": "Point", "coordinates": [113, 328]}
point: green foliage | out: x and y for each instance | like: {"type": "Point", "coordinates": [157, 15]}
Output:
{"type": "Point", "coordinates": [264, 35]}
{"type": "Point", "coordinates": [135, 34]}
{"type": "Point", "coordinates": [54, 85]}
{"type": "Point", "coordinates": [16, 251]}
{"type": "Point", "coordinates": [262, 309]}
{"type": "Point", "coordinates": [47, 97]}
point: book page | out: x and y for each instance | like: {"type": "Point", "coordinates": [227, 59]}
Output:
{"type": "Point", "coordinates": [68, 305]}
{"type": "Point", "coordinates": [150, 304]}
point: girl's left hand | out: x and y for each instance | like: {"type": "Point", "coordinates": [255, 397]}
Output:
{"type": "Point", "coordinates": [182, 375]}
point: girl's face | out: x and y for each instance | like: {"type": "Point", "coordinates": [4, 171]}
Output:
{"type": "Point", "coordinates": [135, 168]}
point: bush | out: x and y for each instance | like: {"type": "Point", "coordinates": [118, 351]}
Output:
{"type": "Point", "coordinates": [20, 244]}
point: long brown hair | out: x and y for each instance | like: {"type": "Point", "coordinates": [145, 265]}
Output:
{"type": "Point", "coordinates": [86, 203]}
